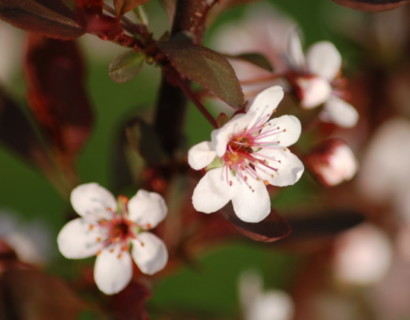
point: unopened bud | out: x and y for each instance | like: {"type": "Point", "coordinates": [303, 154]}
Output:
{"type": "Point", "coordinates": [332, 162]}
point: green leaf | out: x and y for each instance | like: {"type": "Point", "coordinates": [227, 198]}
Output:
{"type": "Point", "coordinates": [255, 58]}
{"type": "Point", "coordinates": [126, 66]}
{"type": "Point", "coordinates": [206, 67]}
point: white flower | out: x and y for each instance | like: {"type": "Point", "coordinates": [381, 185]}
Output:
{"type": "Point", "coordinates": [107, 231]}
{"type": "Point", "coordinates": [362, 256]}
{"type": "Point", "coordinates": [332, 162]}
{"type": "Point", "coordinates": [246, 154]}
{"type": "Point", "coordinates": [259, 305]}
{"type": "Point", "coordinates": [313, 75]}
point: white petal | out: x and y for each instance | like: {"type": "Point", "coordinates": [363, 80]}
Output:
{"type": "Point", "coordinates": [147, 209]}
{"type": "Point", "coordinates": [288, 128]}
{"type": "Point", "coordinates": [149, 253]}
{"type": "Point", "coordinates": [80, 239]}
{"type": "Point", "coordinates": [324, 59]}
{"type": "Point", "coordinates": [112, 270]}
{"type": "Point", "coordinates": [264, 104]}
{"type": "Point", "coordinates": [93, 202]}
{"type": "Point", "coordinates": [251, 202]}
{"type": "Point", "coordinates": [314, 91]}
{"type": "Point", "coordinates": [213, 191]}
{"type": "Point", "coordinates": [289, 167]}
{"type": "Point", "coordinates": [296, 56]}
{"type": "Point", "coordinates": [339, 112]}
{"type": "Point", "coordinates": [201, 155]}
{"type": "Point", "coordinates": [220, 137]}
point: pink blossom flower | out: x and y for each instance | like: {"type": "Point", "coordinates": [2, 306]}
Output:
{"type": "Point", "coordinates": [244, 156]}
{"type": "Point", "coordinates": [108, 228]}
{"type": "Point", "coordinates": [332, 162]}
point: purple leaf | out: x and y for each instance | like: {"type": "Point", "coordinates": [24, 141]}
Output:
{"type": "Point", "coordinates": [205, 67]}
{"type": "Point", "coordinates": [55, 79]}
{"type": "Point", "coordinates": [271, 229]}
{"type": "Point", "coordinates": [123, 6]}
{"type": "Point", "coordinates": [51, 18]}
{"type": "Point", "coordinates": [372, 5]}
{"type": "Point", "coordinates": [17, 134]}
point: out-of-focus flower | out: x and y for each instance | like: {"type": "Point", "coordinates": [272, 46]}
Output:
{"type": "Point", "coordinates": [31, 241]}
{"type": "Point", "coordinates": [9, 60]}
{"type": "Point", "coordinates": [385, 172]}
{"type": "Point", "coordinates": [259, 305]}
{"type": "Point", "coordinates": [107, 228]}
{"type": "Point", "coordinates": [314, 76]}
{"type": "Point", "coordinates": [332, 162]}
{"type": "Point", "coordinates": [363, 256]}
{"type": "Point", "coordinates": [246, 154]}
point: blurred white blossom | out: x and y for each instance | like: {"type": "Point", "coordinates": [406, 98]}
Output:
{"type": "Point", "coordinates": [263, 305]}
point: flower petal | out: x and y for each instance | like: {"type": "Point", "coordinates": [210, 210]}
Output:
{"type": "Point", "coordinates": [213, 191]}
{"type": "Point", "coordinates": [147, 209]}
{"type": "Point", "coordinates": [220, 137]}
{"type": "Point", "coordinates": [149, 253]}
{"type": "Point", "coordinates": [112, 270]}
{"type": "Point", "coordinates": [93, 202]}
{"type": "Point", "coordinates": [324, 59]}
{"type": "Point", "coordinates": [313, 91]}
{"type": "Point", "coordinates": [289, 168]}
{"type": "Point", "coordinates": [283, 131]}
{"type": "Point", "coordinates": [80, 239]}
{"type": "Point", "coordinates": [339, 112]}
{"type": "Point", "coordinates": [201, 155]}
{"type": "Point", "coordinates": [295, 53]}
{"type": "Point", "coordinates": [264, 104]}
{"type": "Point", "coordinates": [251, 202]}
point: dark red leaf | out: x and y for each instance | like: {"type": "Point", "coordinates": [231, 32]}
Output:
{"type": "Point", "coordinates": [51, 18]}
{"type": "Point", "coordinates": [123, 6]}
{"type": "Point", "coordinates": [271, 229]}
{"type": "Point", "coordinates": [326, 222]}
{"type": "Point", "coordinates": [55, 80]}
{"type": "Point", "coordinates": [372, 5]}
{"type": "Point", "coordinates": [205, 67]}
{"type": "Point", "coordinates": [17, 134]}
{"type": "Point", "coordinates": [30, 294]}
{"type": "Point", "coordinates": [254, 58]}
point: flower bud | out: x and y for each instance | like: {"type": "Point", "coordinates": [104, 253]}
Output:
{"type": "Point", "coordinates": [332, 162]}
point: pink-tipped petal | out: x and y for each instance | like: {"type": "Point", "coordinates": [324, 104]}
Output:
{"type": "Point", "coordinates": [149, 253]}
{"type": "Point", "coordinates": [147, 209]}
{"type": "Point", "coordinates": [93, 202]}
{"type": "Point", "coordinates": [324, 60]}
{"type": "Point", "coordinates": [80, 239]}
{"type": "Point", "coordinates": [112, 270]}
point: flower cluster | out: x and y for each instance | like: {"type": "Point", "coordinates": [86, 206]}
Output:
{"type": "Point", "coordinates": [314, 77]}
{"type": "Point", "coordinates": [107, 228]}
{"type": "Point", "coordinates": [244, 156]}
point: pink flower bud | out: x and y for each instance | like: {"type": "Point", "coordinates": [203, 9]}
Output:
{"type": "Point", "coordinates": [332, 162]}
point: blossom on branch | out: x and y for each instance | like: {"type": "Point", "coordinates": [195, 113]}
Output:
{"type": "Point", "coordinates": [315, 79]}
{"type": "Point", "coordinates": [108, 227]}
{"type": "Point", "coordinates": [244, 156]}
